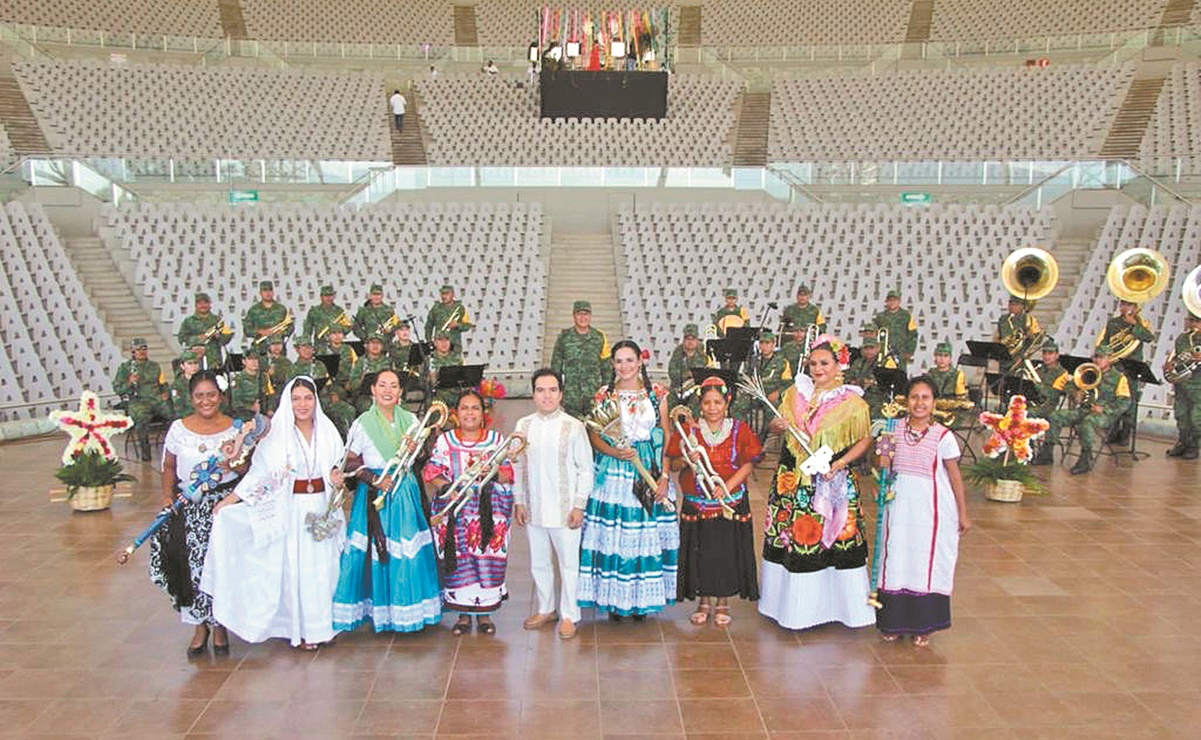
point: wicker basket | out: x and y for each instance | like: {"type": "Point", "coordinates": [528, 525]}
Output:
{"type": "Point", "coordinates": [1009, 491]}
{"type": "Point", "coordinates": [92, 498]}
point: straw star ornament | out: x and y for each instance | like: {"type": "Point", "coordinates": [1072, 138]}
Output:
{"type": "Point", "coordinates": [91, 428]}
{"type": "Point", "coordinates": [1012, 431]}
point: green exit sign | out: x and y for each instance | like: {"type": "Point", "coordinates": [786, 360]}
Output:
{"type": "Point", "coordinates": [913, 197]}
{"type": "Point", "coordinates": [243, 196]}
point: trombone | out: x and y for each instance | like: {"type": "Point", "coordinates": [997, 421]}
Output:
{"type": "Point", "coordinates": [385, 328]}
{"type": "Point", "coordinates": [707, 478]}
{"type": "Point", "coordinates": [455, 315]}
{"type": "Point", "coordinates": [479, 474]}
{"type": "Point", "coordinates": [411, 445]}
{"type": "Point", "coordinates": [341, 320]}
{"type": "Point", "coordinates": [211, 334]}
{"type": "Point", "coordinates": [279, 328]}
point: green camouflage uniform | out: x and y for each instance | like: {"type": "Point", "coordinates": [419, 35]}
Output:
{"type": "Point", "coordinates": [368, 320]}
{"type": "Point", "coordinates": [726, 311]}
{"type": "Point", "coordinates": [1141, 330]}
{"type": "Point", "coordinates": [1112, 395]}
{"type": "Point", "coordinates": [862, 373]}
{"type": "Point", "coordinates": [147, 398]}
{"type": "Point", "coordinates": [681, 363]}
{"type": "Point", "coordinates": [278, 371]}
{"type": "Point", "coordinates": [1187, 404]}
{"type": "Point", "coordinates": [181, 397]}
{"type": "Point", "coordinates": [196, 326]}
{"type": "Point", "coordinates": [952, 384]}
{"type": "Point", "coordinates": [245, 390]}
{"type": "Point", "coordinates": [340, 412]}
{"type": "Point", "coordinates": [437, 362]}
{"type": "Point", "coordinates": [1051, 384]}
{"type": "Point", "coordinates": [1008, 323]}
{"type": "Point", "coordinates": [902, 334]}
{"type": "Point", "coordinates": [319, 320]}
{"type": "Point", "coordinates": [440, 313]}
{"type": "Point", "coordinates": [775, 372]}
{"type": "Point", "coordinates": [798, 318]}
{"type": "Point", "coordinates": [581, 360]}
{"type": "Point", "coordinates": [262, 317]}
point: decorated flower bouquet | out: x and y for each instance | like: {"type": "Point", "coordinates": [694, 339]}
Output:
{"type": "Point", "coordinates": [1004, 470]}
{"type": "Point", "coordinates": [90, 466]}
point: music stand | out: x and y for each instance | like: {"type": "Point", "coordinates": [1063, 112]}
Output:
{"type": "Point", "coordinates": [890, 382]}
{"type": "Point", "coordinates": [233, 362]}
{"type": "Point", "coordinates": [985, 352]}
{"type": "Point", "coordinates": [1009, 386]}
{"type": "Point", "coordinates": [331, 363]}
{"type": "Point", "coordinates": [460, 377]}
{"type": "Point", "coordinates": [729, 352]}
{"type": "Point", "coordinates": [1071, 362]}
{"type": "Point", "coordinates": [1136, 371]}
{"type": "Point", "coordinates": [748, 334]}
{"type": "Point", "coordinates": [359, 347]}
{"type": "Point", "coordinates": [321, 383]}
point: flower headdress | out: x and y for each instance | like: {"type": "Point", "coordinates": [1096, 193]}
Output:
{"type": "Point", "coordinates": [842, 354]}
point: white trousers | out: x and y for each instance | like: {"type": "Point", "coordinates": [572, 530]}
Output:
{"type": "Point", "coordinates": [566, 546]}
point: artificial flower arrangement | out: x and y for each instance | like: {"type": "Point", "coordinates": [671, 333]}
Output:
{"type": "Point", "coordinates": [91, 468]}
{"type": "Point", "coordinates": [1004, 470]}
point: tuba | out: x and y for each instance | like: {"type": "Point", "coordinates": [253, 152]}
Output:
{"type": "Point", "coordinates": [1086, 378]}
{"type": "Point", "coordinates": [1181, 368]}
{"type": "Point", "coordinates": [1029, 273]}
{"type": "Point", "coordinates": [1135, 276]}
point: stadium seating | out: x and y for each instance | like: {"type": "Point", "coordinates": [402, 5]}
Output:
{"type": "Point", "coordinates": [484, 121]}
{"type": "Point", "coordinates": [160, 110]}
{"type": "Point", "coordinates": [492, 253]}
{"type": "Point", "coordinates": [803, 22]}
{"type": "Point", "coordinates": [7, 155]}
{"type": "Point", "coordinates": [977, 20]}
{"type": "Point", "coordinates": [53, 344]}
{"type": "Point", "coordinates": [989, 114]}
{"type": "Point", "coordinates": [350, 21]}
{"type": "Point", "coordinates": [1176, 233]}
{"type": "Point", "coordinates": [944, 259]}
{"type": "Point", "coordinates": [1174, 131]}
{"type": "Point", "coordinates": [173, 18]}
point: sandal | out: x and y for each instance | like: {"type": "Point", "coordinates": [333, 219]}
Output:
{"type": "Point", "coordinates": [889, 638]}
{"type": "Point", "coordinates": [921, 640]}
{"type": "Point", "coordinates": [701, 615]}
{"type": "Point", "coordinates": [309, 646]}
{"type": "Point", "coordinates": [722, 617]}
{"type": "Point", "coordinates": [462, 627]}
{"type": "Point", "coordinates": [485, 628]}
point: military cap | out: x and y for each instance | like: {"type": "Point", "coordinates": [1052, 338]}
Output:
{"type": "Point", "coordinates": [1190, 316]}
{"type": "Point", "coordinates": [250, 353]}
{"type": "Point", "coordinates": [1017, 299]}
{"type": "Point", "coordinates": [275, 339]}
{"type": "Point", "coordinates": [581, 306]}
{"type": "Point", "coordinates": [871, 342]}
{"type": "Point", "coordinates": [803, 289]}
{"type": "Point", "coordinates": [731, 293]}
{"type": "Point", "coordinates": [137, 343]}
{"type": "Point", "coordinates": [1050, 345]}
{"type": "Point", "coordinates": [404, 324]}
{"type": "Point", "coordinates": [447, 288]}
{"type": "Point", "coordinates": [894, 293]}
{"type": "Point", "coordinates": [303, 340]}
{"type": "Point", "coordinates": [942, 348]}
{"type": "Point", "coordinates": [691, 330]}
{"type": "Point", "coordinates": [868, 328]}
{"type": "Point", "coordinates": [374, 337]}
{"type": "Point", "coordinates": [266, 285]}
{"type": "Point", "coordinates": [441, 334]}
{"type": "Point", "coordinates": [376, 288]}
{"type": "Point", "coordinates": [1102, 350]}
{"type": "Point", "coordinates": [203, 297]}
{"type": "Point", "coordinates": [189, 356]}
{"type": "Point", "coordinates": [327, 290]}
{"type": "Point", "coordinates": [767, 335]}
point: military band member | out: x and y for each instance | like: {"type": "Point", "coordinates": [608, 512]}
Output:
{"type": "Point", "coordinates": [1109, 401]}
{"type": "Point", "coordinates": [1187, 405]}
{"type": "Point", "coordinates": [862, 372]}
{"type": "Point", "coordinates": [1017, 317]}
{"type": "Point", "coordinates": [266, 318]}
{"type": "Point", "coordinates": [181, 393]}
{"type": "Point", "coordinates": [797, 319]}
{"type": "Point", "coordinates": [950, 383]}
{"type": "Point", "coordinates": [1052, 381]}
{"type": "Point", "coordinates": [444, 355]}
{"type": "Point", "coordinates": [449, 315]}
{"type": "Point", "coordinates": [774, 371]}
{"type": "Point", "coordinates": [902, 329]}
{"type": "Point", "coordinates": [688, 354]}
{"type": "Point", "coordinates": [730, 314]}
{"type": "Point", "coordinates": [141, 383]}
{"type": "Point", "coordinates": [306, 363]}
{"type": "Point", "coordinates": [579, 357]}
{"type": "Point", "coordinates": [373, 361]}
{"type": "Point", "coordinates": [249, 388]}
{"type": "Point", "coordinates": [375, 316]}
{"type": "Point", "coordinates": [278, 369]}
{"type": "Point", "coordinates": [322, 318]}
{"type": "Point", "coordinates": [400, 348]}
{"type": "Point", "coordinates": [207, 330]}
{"type": "Point", "coordinates": [1128, 318]}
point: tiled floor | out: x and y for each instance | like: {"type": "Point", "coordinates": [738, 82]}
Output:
{"type": "Point", "coordinates": [1072, 618]}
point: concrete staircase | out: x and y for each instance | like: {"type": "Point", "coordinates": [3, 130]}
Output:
{"type": "Point", "coordinates": [690, 26]}
{"type": "Point", "coordinates": [114, 298]}
{"type": "Point", "coordinates": [408, 147]}
{"type": "Point", "coordinates": [466, 33]}
{"type": "Point", "coordinates": [233, 25]}
{"type": "Point", "coordinates": [1072, 255]}
{"type": "Point", "coordinates": [582, 268]}
{"type": "Point", "coordinates": [750, 146]}
{"type": "Point", "coordinates": [22, 127]}
{"type": "Point", "coordinates": [1176, 13]}
{"type": "Point", "coordinates": [920, 17]}
{"type": "Point", "coordinates": [1126, 134]}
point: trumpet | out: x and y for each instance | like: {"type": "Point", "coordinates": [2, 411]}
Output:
{"type": "Point", "coordinates": [479, 474]}
{"type": "Point", "coordinates": [211, 334]}
{"type": "Point", "coordinates": [279, 328]}
{"type": "Point", "coordinates": [1086, 378]}
{"type": "Point", "coordinates": [455, 316]}
{"type": "Point", "coordinates": [388, 326]}
{"type": "Point", "coordinates": [707, 479]}
{"type": "Point", "coordinates": [341, 320]}
{"type": "Point", "coordinates": [411, 445]}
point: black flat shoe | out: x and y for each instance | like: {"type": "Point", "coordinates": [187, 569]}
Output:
{"type": "Point", "coordinates": [486, 628]}
{"type": "Point", "coordinates": [462, 627]}
{"type": "Point", "coordinates": [197, 650]}
{"type": "Point", "coordinates": [615, 617]}
{"type": "Point", "coordinates": [221, 649]}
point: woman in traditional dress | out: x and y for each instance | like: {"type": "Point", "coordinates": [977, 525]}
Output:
{"type": "Point", "coordinates": [717, 547]}
{"type": "Point", "coordinates": [389, 572]}
{"type": "Point", "coordinates": [267, 574]}
{"type": "Point", "coordinates": [197, 466]}
{"type": "Point", "coordinates": [630, 540]}
{"type": "Point", "coordinates": [919, 543]}
{"type": "Point", "coordinates": [472, 545]}
{"type": "Point", "coordinates": [814, 552]}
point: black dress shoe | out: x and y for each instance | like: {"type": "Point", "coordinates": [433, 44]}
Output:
{"type": "Point", "coordinates": [202, 647]}
{"type": "Point", "coordinates": [1083, 465]}
{"type": "Point", "coordinates": [1190, 454]}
